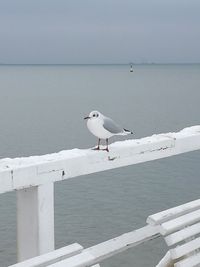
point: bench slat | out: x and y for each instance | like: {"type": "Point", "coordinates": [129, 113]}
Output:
{"type": "Point", "coordinates": [185, 249]}
{"type": "Point", "coordinates": [193, 261]}
{"type": "Point", "coordinates": [172, 213]}
{"type": "Point", "coordinates": [180, 222]}
{"type": "Point", "coordinates": [182, 234]}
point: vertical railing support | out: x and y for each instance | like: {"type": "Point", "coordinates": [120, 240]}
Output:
{"type": "Point", "coordinates": [35, 221]}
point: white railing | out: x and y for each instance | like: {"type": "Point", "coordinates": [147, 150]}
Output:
{"type": "Point", "coordinates": [34, 177]}
{"type": "Point", "coordinates": [94, 254]}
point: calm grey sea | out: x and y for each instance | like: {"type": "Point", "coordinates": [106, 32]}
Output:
{"type": "Point", "coordinates": [42, 110]}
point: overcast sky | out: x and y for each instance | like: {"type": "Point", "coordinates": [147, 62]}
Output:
{"type": "Point", "coordinates": [99, 31]}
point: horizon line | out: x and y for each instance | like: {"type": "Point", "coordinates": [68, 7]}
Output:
{"type": "Point", "coordinates": [131, 63]}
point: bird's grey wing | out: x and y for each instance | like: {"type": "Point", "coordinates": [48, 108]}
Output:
{"type": "Point", "coordinates": [111, 126]}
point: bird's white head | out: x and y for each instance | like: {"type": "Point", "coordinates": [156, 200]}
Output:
{"type": "Point", "coordinates": [94, 115]}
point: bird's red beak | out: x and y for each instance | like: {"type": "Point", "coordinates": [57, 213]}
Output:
{"type": "Point", "coordinates": [86, 118]}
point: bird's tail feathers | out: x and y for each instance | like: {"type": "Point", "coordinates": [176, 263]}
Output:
{"type": "Point", "coordinates": [127, 131]}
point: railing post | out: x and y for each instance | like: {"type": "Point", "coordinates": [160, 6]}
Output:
{"type": "Point", "coordinates": [35, 221]}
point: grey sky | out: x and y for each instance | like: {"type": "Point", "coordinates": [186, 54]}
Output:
{"type": "Point", "coordinates": [99, 31]}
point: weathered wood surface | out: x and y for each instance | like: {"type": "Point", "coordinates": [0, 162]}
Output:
{"type": "Point", "coordinates": [22, 173]}
{"type": "Point", "coordinates": [185, 254]}
{"type": "Point", "coordinates": [51, 257]}
{"type": "Point", "coordinates": [180, 222]}
{"type": "Point", "coordinates": [75, 255]}
{"type": "Point", "coordinates": [37, 172]}
{"type": "Point", "coordinates": [193, 261]}
{"type": "Point", "coordinates": [180, 226]}
{"type": "Point", "coordinates": [173, 213]}
{"type": "Point", "coordinates": [35, 221]}
{"type": "Point", "coordinates": [185, 249]}
{"type": "Point", "coordinates": [102, 251]}
{"type": "Point", "coordinates": [166, 261]}
{"type": "Point", "coordinates": [183, 234]}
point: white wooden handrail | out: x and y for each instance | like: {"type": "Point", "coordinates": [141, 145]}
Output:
{"type": "Point", "coordinates": [32, 171]}
{"type": "Point", "coordinates": [51, 257]}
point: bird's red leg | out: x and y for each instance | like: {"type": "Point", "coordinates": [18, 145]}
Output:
{"type": "Point", "coordinates": [98, 146]}
{"type": "Point", "coordinates": [106, 146]}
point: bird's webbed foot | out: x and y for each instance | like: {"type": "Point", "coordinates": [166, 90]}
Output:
{"type": "Point", "coordinates": [98, 145]}
{"type": "Point", "coordinates": [96, 148]}
{"type": "Point", "coordinates": [105, 149]}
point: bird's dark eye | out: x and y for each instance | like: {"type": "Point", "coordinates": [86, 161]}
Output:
{"type": "Point", "coordinates": [93, 115]}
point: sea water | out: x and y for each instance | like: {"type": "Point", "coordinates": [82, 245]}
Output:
{"type": "Point", "coordinates": [42, 110]}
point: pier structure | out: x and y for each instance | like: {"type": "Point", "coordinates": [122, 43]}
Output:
{"type": "Point", "coordinates": [33, 178]}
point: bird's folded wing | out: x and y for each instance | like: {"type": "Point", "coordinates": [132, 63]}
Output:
{"type": "Point", "coordinates": [111, 126]}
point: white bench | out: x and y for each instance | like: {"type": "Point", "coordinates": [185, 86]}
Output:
{"type": "Point", "coordinates": [180, 227]}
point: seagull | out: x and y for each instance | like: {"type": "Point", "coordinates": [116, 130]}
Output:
{"type": "Point", "coordinates": [103, 128]}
